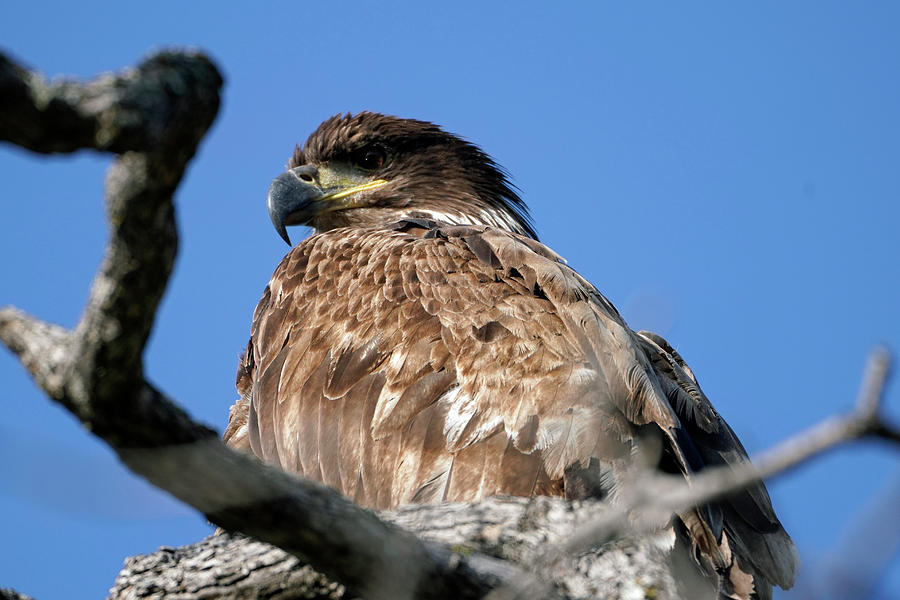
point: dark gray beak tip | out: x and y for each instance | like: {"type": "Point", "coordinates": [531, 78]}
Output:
{"type": "Point", "coordinates": [284, 235]}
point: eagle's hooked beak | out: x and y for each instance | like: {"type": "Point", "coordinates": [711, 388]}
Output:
{"type": "Point", "coordinates": [292, 198]}
{"type": "Point", "coordinates": [298, 196]}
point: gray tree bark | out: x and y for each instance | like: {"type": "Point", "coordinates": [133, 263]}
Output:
{"type": "Point", "coordinates": [512, 529]}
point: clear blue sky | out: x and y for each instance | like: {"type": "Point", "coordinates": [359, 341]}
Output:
{"type": "Point", "coordinates": [726, 175]}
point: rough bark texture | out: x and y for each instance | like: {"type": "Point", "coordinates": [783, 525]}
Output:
{"type": "Point", "coordinates": [222, 566]}
{"type": "Point", "coordinates": [513, 529]}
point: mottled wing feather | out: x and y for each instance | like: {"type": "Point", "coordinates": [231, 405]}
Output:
{"type": "Point", "coordinates": [754, 532]}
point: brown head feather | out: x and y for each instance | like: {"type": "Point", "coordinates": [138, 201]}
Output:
{"type": "Point", "coordinates": [430, 172]}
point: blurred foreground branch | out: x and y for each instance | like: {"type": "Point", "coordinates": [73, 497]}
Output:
{"type": "Point", "coordinates": [154, 117]}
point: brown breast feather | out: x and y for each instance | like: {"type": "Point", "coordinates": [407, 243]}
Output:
{"type": "Point", "coordinates": [425, 363]}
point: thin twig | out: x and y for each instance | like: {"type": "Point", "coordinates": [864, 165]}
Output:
{"type": "Point", "coordinates": [871, 390]}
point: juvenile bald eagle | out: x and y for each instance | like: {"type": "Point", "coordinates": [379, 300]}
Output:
{"type": "Point", "coordinates": [423, 346]}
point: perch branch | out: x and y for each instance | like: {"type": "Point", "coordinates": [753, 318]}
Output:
{"type": "Point", "coordinates": [510, 528]}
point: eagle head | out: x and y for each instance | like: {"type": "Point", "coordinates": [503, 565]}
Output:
{"type": "Point", "coordinates": [369, 169]}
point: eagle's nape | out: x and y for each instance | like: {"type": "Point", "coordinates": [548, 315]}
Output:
{"type": "Point", "coordinates": [422, 346]}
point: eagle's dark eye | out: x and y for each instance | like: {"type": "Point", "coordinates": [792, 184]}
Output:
{"type": "Point", "coordinates": [369, 158]}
